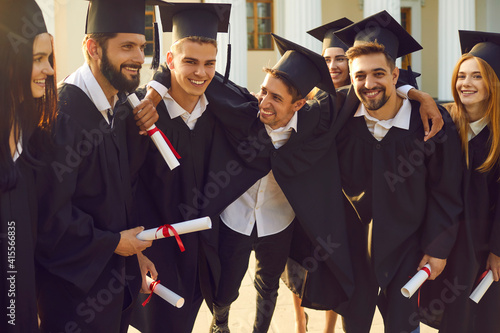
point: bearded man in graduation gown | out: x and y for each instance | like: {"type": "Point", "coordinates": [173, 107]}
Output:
{"type": "Point", "coordinates": [88, 272]}
{"type": "Point", "coordinates": [406, 192]}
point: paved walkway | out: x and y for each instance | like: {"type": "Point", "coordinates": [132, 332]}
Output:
{"type": "Point", "coordinates": [242, 313]}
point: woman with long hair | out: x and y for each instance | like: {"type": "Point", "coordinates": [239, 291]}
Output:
{"type": "Point", "coordinates": [27, 110]}
{"type": "Point", "coordinates": [476, 113]}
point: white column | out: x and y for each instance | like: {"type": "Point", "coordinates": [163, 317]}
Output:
{"type": "Point", "coordinates": [393, 7]}
{"type": "Point", "coordinates": [238, 38]}
{"type": "Point", "coordinates": [453, 15]}
{"type": "Point", "coordinates": [299, 16]}
{"type": "Point", "coordinates": [47, 7]}
{"type": "Point", "coordinates": [492, 10]}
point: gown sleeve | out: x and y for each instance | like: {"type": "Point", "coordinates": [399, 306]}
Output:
{"type": "Point", "coordinates": [69, 244]}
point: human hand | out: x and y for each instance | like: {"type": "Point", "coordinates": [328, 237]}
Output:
{"type": "Point", "coordinates": [146, 267]}
{"type": "Point", "coordinates": [437, 265]}
{"type": "Point", "coordinates": [129, 244]}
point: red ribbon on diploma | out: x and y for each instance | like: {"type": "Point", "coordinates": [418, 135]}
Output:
{"type": "Point", "coordinates": [156, 129]}
{"type": "Point", "coordinates": [425, 269]}
{"type": "Point", "coordinates": [152, 287]}
{"type": "Point", "coordinates": [482, 277]}
{"type": "Point", "coordinates": [165, 228]}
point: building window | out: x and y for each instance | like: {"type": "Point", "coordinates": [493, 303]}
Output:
{"type": "Point", "coordinates": [150, 18]}
{"type": "Point", "coordinates": [260, 24]}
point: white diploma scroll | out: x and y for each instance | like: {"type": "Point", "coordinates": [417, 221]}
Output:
{"type": "Point", "coordinates": [416, 281]}
{"type": "Point", "coordinates": [157, 138]}
{"type": "Point", "coordinates": [203, 223]}
{"type": "Point", "coordinates": [167, 294]}
{"type": "Point", "coordinates": [482, 287]}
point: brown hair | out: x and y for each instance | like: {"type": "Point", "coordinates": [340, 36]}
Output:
{"type": "Point", "coordinates": [461, 119]}
{"type": "Point", "coordinates": [369, 48]}
{"type": "Point", "coordinates": [292, 89]}
{"type": "Point", "coordinates": [177, 46]}
{"type": "Point", "coordinates": [101, 40]}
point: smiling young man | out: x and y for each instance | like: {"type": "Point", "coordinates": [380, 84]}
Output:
{"type": "Point", "coordinates": [406, 192]}
{"type": "Point", "coordinates": [88, 275]}
{"type": "Point", "coordinates": [170, 196]}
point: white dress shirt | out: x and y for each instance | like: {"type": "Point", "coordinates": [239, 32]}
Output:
{"type": "Point", "coordinates": [19, 149]}
{"type": "Point", "coordinates": [175, 110]}
{"type": "Point", "coordinates": [476, 127]}
{"type": "Point", "coordinates": [379, 128]}
{"type": "Point", "coordinates": [264, 203]}
{"type": "Point", "coordinates": [85, 80]}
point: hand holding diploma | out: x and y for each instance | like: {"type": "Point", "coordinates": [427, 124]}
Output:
{"type": "Point", "coordinates": [482, 287]}
{"type": "Point", "coordinates": [160, 140]}
{"type": "Point", "coordinates": [177, 229]}
{"type": "Point", "coordinates": [185, 227]}
{"type": "Point", "coordinates": [165, 293]}
{"type": "Point", "coordinates": [416, 281]}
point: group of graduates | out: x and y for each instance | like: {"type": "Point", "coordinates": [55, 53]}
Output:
{"type": "Point", "coordinates": [332, 174]}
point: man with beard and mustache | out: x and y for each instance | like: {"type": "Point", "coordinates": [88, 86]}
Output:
{"type": "Point", "coordinates": [406, 191]}
{"type": "Point", "coordinates": [88, 276]}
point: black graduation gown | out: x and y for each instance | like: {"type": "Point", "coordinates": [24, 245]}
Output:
{"type": "Point", "coordinates": [85, 201]}
{"type": "Point", "coordinates": [411, 190]}
{"type": "Point", "coordinates": [306, 168]}
{"type": "Point", "coordinates": [17, 244]}
{"type": "Point", "coordinates": [447, 299]}
{"type": "Point", "coordinates": [165, 196]}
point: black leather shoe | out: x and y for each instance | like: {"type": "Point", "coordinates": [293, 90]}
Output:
{"type": "Point", "coordinates": [219, 328]}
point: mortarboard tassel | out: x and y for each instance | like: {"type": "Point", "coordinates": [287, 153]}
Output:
{"type": "Point", "coordinates": [228, 63]}
{"type": "Point", "coordinates": [155, 63]}
{"type": "Point", "coordinates": [412, 80]}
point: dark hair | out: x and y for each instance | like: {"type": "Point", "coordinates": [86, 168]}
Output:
{"type": "Point", "coordinates": [292, 89]}
{"type": "Point", "coordinates": [369, 48]}
{"type": "Point", "coordinates": [21, 114]}
{"type": "Point", "coordinates": [101, 40]}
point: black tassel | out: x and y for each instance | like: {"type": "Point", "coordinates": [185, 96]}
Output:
{"type": "Point", "coordinates": [228, 64]}
{"type": "Point", "coordinates": [412, 80]}
{"type": "Point", "coordinates": [155, 63]}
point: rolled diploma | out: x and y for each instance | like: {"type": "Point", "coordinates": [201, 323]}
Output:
{"type": "Point", "coordinates": [185, 227]}
{"type": "Point", "coordinates": [415, 282]}
{"type": "Point", "coordinates": [167, 294]}
{"type": "Point", "coordinates": [158, 140]}
{"type": "Point", "coordinates": [482, 287]}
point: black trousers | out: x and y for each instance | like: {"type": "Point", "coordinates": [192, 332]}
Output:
{"type": "Point", "coordinates": [400, 314]}
{"type": "Point", "coordinates": [271, 253]}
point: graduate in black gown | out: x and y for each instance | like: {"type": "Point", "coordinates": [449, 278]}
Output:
{"type": "Point", "coordinates": [88, 274]}
{"type": "Point", "coordinates": [476, 112]}
{"type": "Point", "coordinates": [166, 196]}
{"type": "Point", "coordinates": [406, 191]}
{"type": "Point", "coordinates": [27, 107]}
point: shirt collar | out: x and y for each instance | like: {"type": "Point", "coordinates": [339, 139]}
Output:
{"type": "Point", "coordinates": [477, 126]}
{"type": "Point", "coordinates": [401, 120]}
{"type": "Point", "coordinates": [291, 125]}
{"type": "Point", "coordinates": [95, 91]}
{"type": "Point", "coordinates": [175, 110]}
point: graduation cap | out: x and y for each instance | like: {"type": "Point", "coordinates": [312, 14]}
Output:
{"type": "Point", "coordinates": [484, 45]}
{"type": "Point", "coordinates": [383, 29]}
{"type": "Point", "coordinates": [23, 18]}
{"type": "Point", "coordinates": [304, 68]}
{"type": "Point", "coordinates": [118, 16]}
{"type": "Point", "coordinates": [407, 76]}
{"type": "Point", "coordinates": [195, 19]}
{"type": "Point", "coordinates": [122, 16]}
{"type": "Point", "coordinates": [325, 33]}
